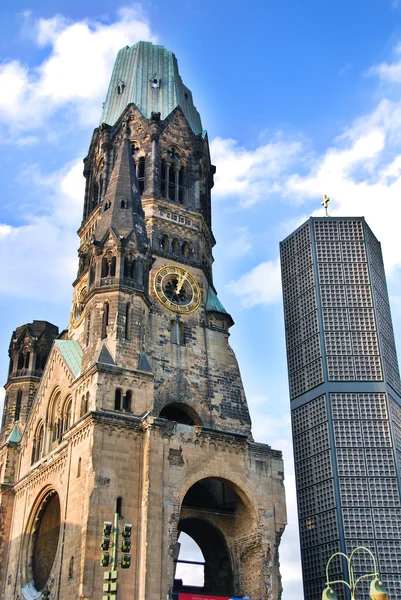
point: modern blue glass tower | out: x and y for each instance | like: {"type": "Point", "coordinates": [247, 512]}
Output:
{"type": "Point", "coordinates": [345, 395]}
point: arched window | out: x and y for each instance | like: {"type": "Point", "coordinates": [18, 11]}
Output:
{"type": "Point", "coordinates": [79, 467]}
{"type": "Point", "coordinates": [67, 415]}
{"type": "Point", "coordinates": [113, 266]}
{"type": "Point", "coordinates": [95, 197]}
{"type": "Point", "coordinates": [127, 401]}
{"type": "Point", "coordinates": [138, 273]}
{"type": "Point", "coordinates": [164, 243]}
{"type": "Point", "coordinates": [180, 413]}
{"type": "Point", "coordinates": [122, 204]}
{"type": "Point", "coordinates": [10, 369]}
{"type": "Point", "coordinates": [186, 252]}
{"type": "Point", "coordinates": [117, 399]}
{"type": "Point", "coordinates": [105, 266]}
{"type": "Point", "coordinates": [175, 246]}
{"type": "Point", "coordinates": [119, 507]}
{"type": "Point", "coordinates": [20, 360]}
{"type": "Point", "coordinates": [132, 268]}
{"type": "Point", "coordinates": [37, 447]}
{"type": "Point", "coordinates": [91, 274]}
{"type": "Point", "coordinates": [18, 405]}
{"type": "Point", "coordinates": [53, 418]}
{"type": "Point", "coordinates": [105, 319]}
{"type": "Point", "coordinates": [140, 174]}
{"type": "Point", "coordinates": [26, 360]}
{"type": "Point", "coordinates": [127, 320]}
{"type": "Point", "coordinates": [84, 404]}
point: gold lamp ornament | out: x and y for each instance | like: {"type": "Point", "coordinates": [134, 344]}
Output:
{"type": "Point", "coordinates": [329, 594]}
{"type": "Point", "coordinates": [377, 589]}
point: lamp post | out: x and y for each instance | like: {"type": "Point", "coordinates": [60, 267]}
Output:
{"type": "Point", "coordinates": [377, 590]}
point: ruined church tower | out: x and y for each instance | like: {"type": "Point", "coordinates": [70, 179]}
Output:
{"type": "Point", "coordinates": [139, 408]}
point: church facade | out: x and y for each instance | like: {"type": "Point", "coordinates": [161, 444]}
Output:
{"type": "Point", "coordinates": [138, 408]}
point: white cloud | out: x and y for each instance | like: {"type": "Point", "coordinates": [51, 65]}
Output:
{"type": "Point", "coordinates": [261, 285]}
{"type": "Point", "coordinates": [251, 175]}
{"type": "Point", "coordinates": [390, 72]}
{"type": "Point", "coordinates": [43, 252]}
{"type": "Point", "coordinates": [74, 74]}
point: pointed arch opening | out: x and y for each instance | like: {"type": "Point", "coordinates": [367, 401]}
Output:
{"type": "Point", "coordinates": [140, 174]}
{"type": "Point", "coordinates": [213, 515]}
{"type": "Point", "coordinates": [37, 446]}
{"type": "Point", "coordinates": [180, 413]}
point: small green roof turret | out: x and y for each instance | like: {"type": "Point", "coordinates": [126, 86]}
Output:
{"type": "Point", "coordinates": [147, 75]}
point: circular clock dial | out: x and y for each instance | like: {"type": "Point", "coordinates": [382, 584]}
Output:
{"type": "Point", "coordinates": [177, 289]}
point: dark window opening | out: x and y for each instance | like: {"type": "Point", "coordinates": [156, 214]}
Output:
{"type": "Point", "coordinates": [127, 320]}
{"type": "Point", "coordinates": [127, 401]}
{"type": "Point", "coordinates": [26, 360]}
{"type": "Point", "coordinates": [37, 447]}
{"type": "Point", "coordinates": [180, 413]}
{"type": "Point", "coordinates": [122, 205]}
{"type": "Point", "coordinates": [120, 87]}
{"type": "Point", "coordinates": [165, 243]}
{"type": "Point", "coordinates": [140, 174]}
{"type": "Point", "coordinates": [105, 319]}
{"type": "Point", "coordinates": [117, 399]}
{"type": "Point", "coordinates": [181, 186]}
{"type": "Point", "coordinates": [18, 405]}
{"type": "Point", "coordinates": [10, 369]}
{"type": "Point", "coordinates": [20, 360]}
{"type": "Point", "coordinates": [132, 269]}
{"type": "Point", "coordinates": [175, 246]}
{"type": "Point", "coordinates": [171, 184]}
{"type": "Point", "coordinates": [88, 330]}
{"type": "Point", "coordinates": [91, 274]}
{"type": "Point", "coordinates": [185, 249]}
{"type": "Point", "coordinates": [79, 468]}
{"type": "Point", "coordinates": [105, 267]}
{"type": "Point", "coordinates": [113, 266]}
{"type": "Point", "coordinates": [95, 193]}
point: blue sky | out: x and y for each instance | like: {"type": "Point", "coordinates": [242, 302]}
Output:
{"type": "Point", "coordinates": [300, 99]}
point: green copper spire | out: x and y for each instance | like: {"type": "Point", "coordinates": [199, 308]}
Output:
{"type": "Point", "coordinates": [148, 76]}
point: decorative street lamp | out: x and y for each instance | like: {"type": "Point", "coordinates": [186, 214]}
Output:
{"type": "Point", "coordinates": [377, 590]}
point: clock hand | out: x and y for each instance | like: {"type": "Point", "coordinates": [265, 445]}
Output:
{"type": "Point", "coordinates": [181, 283]}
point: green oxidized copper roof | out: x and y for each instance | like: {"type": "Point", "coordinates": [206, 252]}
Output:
{"type": "Point", "coordinates": [134, 72]}
{"type": "Point", "coordinates": [213, 303]}
{"type": "Point", "coordinates": [15, 435]}
{"type": "Point", "coordinates": [72, 354]}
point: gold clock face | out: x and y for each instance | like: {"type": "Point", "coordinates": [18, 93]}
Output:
{"type": "Point", "coordinates": [177, 289]}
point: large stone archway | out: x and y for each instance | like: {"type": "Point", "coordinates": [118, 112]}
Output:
{"type": "Point", "coordinates": [41, 543]}
{"type": "Point", "coordinates": [217, 519]}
